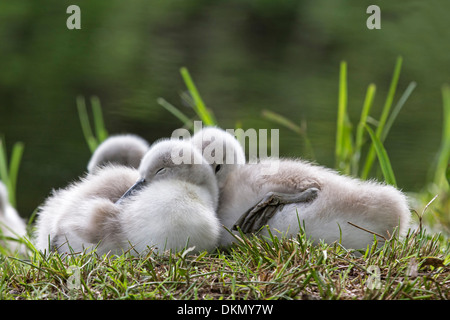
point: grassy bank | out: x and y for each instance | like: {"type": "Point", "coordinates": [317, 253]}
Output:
{"type": "Point", "coordinates": [417, 267]}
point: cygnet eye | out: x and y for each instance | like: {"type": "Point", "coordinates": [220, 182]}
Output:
{"type": "Point", "coordinates": [218, 167]}
{"type": "Point", "coordinates": [160, 171]}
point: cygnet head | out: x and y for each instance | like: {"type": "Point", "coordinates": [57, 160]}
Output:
{"type": "Point", "coordinates": [174, 159]}
{"type": "Point", "coordinates": [221, 150]}
{"type": "Point", "coordinates": [126, 150]}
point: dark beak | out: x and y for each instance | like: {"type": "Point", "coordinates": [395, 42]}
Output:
{"type": "Point", "coordinates": [135, 187]}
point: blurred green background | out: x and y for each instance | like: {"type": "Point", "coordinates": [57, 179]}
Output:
{"type": "Point", "coordinates": [244, 56]}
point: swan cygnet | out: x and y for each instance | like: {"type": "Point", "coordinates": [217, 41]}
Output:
{"type": "Point", "coordinates": [125, 149]}
{"type": "Point", "coordinates": [173, 205]}
{"type": "Point", "coordinates": [318, 200]}
{"type": "Point", "coordinates": [170, 206]}
{"type": "Point", "coordinates": [227, 158]}
{"type": "Point", "coordinates": [75, 217]}
{"type": "Point", "coordinates": [11, 224]}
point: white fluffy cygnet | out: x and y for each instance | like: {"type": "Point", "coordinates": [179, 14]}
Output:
{"type": "Point", "coordinates": [300, 194]}
{"type": "Point", "coordinates": [176, 201]}
{"type": "Point", "coordinates": [125, 149]}
{"type": "Point", "coordinates": [11, 224]}
{"type": "Point", "coordinates": [82, 215]}
{"type": "Point", "coordinates": [171, 206]}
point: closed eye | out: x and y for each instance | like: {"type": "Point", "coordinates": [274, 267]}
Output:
{"type": "Point", "coordinates": [160, 171]}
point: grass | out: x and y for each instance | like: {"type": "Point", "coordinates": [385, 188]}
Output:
{"type": "Point", "coordinates": [440, 174]}
{"type": "Point", "coordinates": [414, 268]}
{"type": "Point", "coordinates": [349, 144]}
{"type": "Point", "coordinates": [380, 131]}
{"type": "Point", "coordinates": [385, 163]}
{"type": "Point", "coordinates": [92, 140]}
{"type": "Point", "coordinates": [348, 148]}
{"type": "Point", "coordinates": [441, 177]}
{"type": "Point", "coordinates": [9, 173]}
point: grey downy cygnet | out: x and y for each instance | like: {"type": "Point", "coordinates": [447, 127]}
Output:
{"type": "Point", "coordinates": [300, 195]}
{"type": "Point", "coordinates": [12, 226]}
{"type": "Point", "coordinates": [174, 207]}
{"type": "Point", "coordinates": [82, 214]}
{"type": "Point", "coordinates": [124, 149]}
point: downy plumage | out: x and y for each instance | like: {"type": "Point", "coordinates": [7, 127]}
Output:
{"type": "Point", "coordinates": [303, 195]}
{"type": "Point", "coordinates": [173, 208]}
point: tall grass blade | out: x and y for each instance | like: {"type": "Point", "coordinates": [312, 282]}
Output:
{"type": "Point", "coordinates": [398, 107]}
{"type": "Point", "coordinates": [85, 125]}
{"type": "Point", "coordinates": [442, 167]}
{"type": "Point", "coordinates": [176, 112]}
{"type": "Point", "coordinates": [383, 158]}
{"type": "Point", "coordinates": [390, 97]}
{"type": "Point", "coordinates": [384, 116]}
{"type": "Point", "coordinates": [99, 124]}
{"type": "Point", "coordinates": [9, 174]}
{"type": "Point", "coordinates": [342, 112]}
{"type": "Point", "coordinates": [4, 176]}
{"type": "Point", "coordinates": [16, 158]}
{"type": "Point", "coordinates": [448, 173]}
{"type": "Point", "coordinates": [277, 118]}
{"type": "Point", "coordinates": [199, 105]}
{"type": "Point", "coordinates": [344, 143]}
{"type": "Point", "coordinates": [359, 140]}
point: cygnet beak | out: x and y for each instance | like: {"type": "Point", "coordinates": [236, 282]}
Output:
{"type": "Point", "coordinates": [135, 187]}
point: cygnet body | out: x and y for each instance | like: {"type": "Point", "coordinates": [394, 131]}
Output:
{"type": "Point", "coordinates": [328, 202]}
{"type": "Point", "coordinates": [125, 149]}
{"type": "Point", "coordinates": [11, 224]}
{"type": "Point", "coordinates": [174, 207]}
{"type": "Point", "coordinates": [76, 212]}
{"type": "Point", "coordinates": [83, 214]}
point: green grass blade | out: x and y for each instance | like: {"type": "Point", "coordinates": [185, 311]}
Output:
{"type": "Point", "coordinates": [444, 153]}
{"type": "Point", "coordinates": [16, 157]}
{"type": "Point", "coordinates": [277, 118]}
{"type": "Point", "coordinates": [99, 124]}
{"type": "Point", "coordinates": [348, 146]}
{"type": "Point", "coordinates": [448, 174]}
{"type": "Point", "coordinates": [199, 105]}
{"type": "Point", "coordinates": [8, 174]}
{"type": "Point", "coordinates": [176, 112]}
{"type": "Point", "coordinates": [383, 158]}
{"type": "Point", "coordinates": [344, 141]}
{"type": "Point", "coordinates": [384, 116]}
{"type": "Point", "coordinates": [4, 175]}
{"type": "Point", "coordinates": [85, 125]}
{"type": "Point", "coordinates": [390, 97]}
{"type": "Point", "coordinates": [398, 107]}
{"type": "Point", "coordinates": [368, 102]}
{"type": "Point", "coordinates": [342, 113]}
